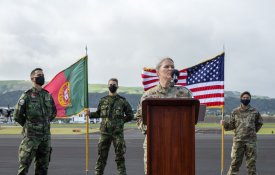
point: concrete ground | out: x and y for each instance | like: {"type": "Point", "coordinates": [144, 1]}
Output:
{"type": "Point", "coordinates": [68, 156]}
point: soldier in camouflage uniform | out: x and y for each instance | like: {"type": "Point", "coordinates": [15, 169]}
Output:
{"type": "Point", "coordinates": [245, 121]}
{"type": "Point", "coordinates": [114, 111]}
{"type": "Point", "coordinates": [165, 89]}
{"type": "Point", "coordinates": [34, 111]}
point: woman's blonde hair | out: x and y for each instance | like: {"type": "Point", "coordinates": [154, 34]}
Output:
{"type": "Point", "coordinates": [161, 61]}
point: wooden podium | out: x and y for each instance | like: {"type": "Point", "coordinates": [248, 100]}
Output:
{"type": "Point", "coordinates": [170, 135]}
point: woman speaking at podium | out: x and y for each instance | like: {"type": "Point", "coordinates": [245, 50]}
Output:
{"type": "Point", "coordinates": [167, 74]}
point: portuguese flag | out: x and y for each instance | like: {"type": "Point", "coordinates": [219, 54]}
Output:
{"type": "Point", "coordinates": [69, 89]}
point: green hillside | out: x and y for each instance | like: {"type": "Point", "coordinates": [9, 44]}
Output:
{"type": "Point", "coordinates": [14, 85]}
{"type": "Point", "coordinates": [22, 85]}
{"type": "Point", "coordinates": [101, 88]}
{"type": "Point", "coordinates": [10, 91]}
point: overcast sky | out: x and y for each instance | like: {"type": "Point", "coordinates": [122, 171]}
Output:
{"type": "Point", "coordinates": [123, 36]}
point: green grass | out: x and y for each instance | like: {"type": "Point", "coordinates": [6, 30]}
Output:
{"type": "Point", "coordinates": [261, 132]}
{"type": "Point", "coordinates": [208, 125]}
{"type": "Point", "coordinates": [54, 130]}
{"type": "Point", "coordinates": [81, 128]}
{"type": "Point", "coordinates": [10, 130]}
{"type": "Point", "coordinates": [266, 129]}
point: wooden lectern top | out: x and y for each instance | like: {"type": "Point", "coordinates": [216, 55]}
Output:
{"type": "Point", "coordinates": [170, 102]}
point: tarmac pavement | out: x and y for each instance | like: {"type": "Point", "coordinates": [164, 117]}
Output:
{"type": "Point", "coordinates": [68, 157]}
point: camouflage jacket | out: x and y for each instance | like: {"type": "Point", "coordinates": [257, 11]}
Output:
{"type": "Point", "coordinates": [114, 111]}
{"type": "Point", "coordinates": [245, 123]}
{"type": "Point", "coordinates": [160, 92]}
{"type": "Point", "coordinates": [34, 111]}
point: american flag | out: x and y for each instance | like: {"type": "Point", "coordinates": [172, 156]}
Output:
{"type": "Point", "coordinates": [204, 80]}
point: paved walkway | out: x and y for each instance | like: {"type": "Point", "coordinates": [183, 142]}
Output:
{"type": "Point", "coordinates": [69, 154]}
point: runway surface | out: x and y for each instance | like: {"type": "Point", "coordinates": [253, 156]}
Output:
{"type": "Point", "coordinates": [68, 157]}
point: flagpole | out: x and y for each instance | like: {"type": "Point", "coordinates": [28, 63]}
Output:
{"type": "Point", "coordinates": [87, 113]}
{"type": "Point", "coordinates": [222, 147]}
{"type": "Point", "coordinates": [222, 144]}
{"type": "Point", "coordinates": [87, 142]}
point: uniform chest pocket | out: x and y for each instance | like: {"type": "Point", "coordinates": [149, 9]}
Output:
{"type": "Point", "coordinates": [118, 111]}
{"type": "Point", "coordinates": [251, 118]}
{"type": "Point", "coordinates": [34, 104]}
{"type": "Point", "coordinates": [34, 109]}
{"type": "Point", "coordinates": [103, 110]}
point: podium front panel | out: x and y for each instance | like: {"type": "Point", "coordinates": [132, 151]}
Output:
{"type": "Point", "coordinates": [171, 136]}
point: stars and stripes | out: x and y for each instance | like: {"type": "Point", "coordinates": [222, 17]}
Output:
{"type": "Point", "coordinates": [204, 80]}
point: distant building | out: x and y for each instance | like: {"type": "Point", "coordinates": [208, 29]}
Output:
{"type": "Point", "coordinates": [80, 118]}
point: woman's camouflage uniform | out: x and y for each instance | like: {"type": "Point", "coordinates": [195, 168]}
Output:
{"type": "Point", "coordinates": [114, 111]}
{"type": "Point", "coordinates": [34, 111]}
{"type": "Point", "coordinates": [245, 123]}
{"type": "Point", "coordinates": [158, 92]}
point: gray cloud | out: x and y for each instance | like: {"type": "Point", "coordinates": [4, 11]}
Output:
{"type": "Point", "coordinates": [124, 36]}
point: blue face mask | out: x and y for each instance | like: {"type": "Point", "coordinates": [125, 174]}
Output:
{"type": "Point", "coordinates": [245, 101]}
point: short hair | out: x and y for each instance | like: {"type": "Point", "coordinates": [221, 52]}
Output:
{"type": "Point", "coordinates": [245, 92]}
{"type": "Point", "coordinates": [113, 79]}
{"type": "Point", "coordinates": [162, 60]}
{"type": "Point", "coordinates": [33, 71]}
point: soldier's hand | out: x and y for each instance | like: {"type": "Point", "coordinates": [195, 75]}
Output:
{"type": "Point", "coordinates": [87, 112]}
{"type": "Point", "coordinates": [222, 122]}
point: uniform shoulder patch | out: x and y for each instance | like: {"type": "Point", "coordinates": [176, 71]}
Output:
{"type": "Point", "coordinates": [21, 101]}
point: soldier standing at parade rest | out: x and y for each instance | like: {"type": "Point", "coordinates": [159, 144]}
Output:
{"type": "Point", "coordinates": [165, 89]}
{"type": "Point", "coordinates": [114, 111]}
{"type": "Point", "coordinates": [34, 112]}
{"type": "Point", "coordinates": [245, 121]}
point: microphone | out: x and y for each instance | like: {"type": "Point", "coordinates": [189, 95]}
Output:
{"type": "Point", "coordinates": [175, 74]}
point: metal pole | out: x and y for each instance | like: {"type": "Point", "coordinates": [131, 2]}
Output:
{"type": "Point", "coordinates": [87, 142]}
{"type": "Point", "coordinates": [222, 147]}
{"type": "Point", "coordinates": [87, 113]}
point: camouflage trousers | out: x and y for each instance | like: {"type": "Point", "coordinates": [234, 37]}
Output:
{"type": "Point", "coordinates": [103, 150]}
{"type": "Point", "coordinates": [34, 149]}
{"type": "Point", "coordinates": [239, 150]}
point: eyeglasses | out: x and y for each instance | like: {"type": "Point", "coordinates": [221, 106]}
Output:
{"type": "Point", "coordinates": [112, 84]}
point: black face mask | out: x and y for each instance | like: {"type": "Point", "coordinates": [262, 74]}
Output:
{"type": "Point", "coordinates": [40, 80]}
{"type": "Point", "coordinates": [112, 88]}
{"type": "Point", "coordinates": [245, 101]}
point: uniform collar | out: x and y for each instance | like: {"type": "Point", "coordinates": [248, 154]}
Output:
{"type": "Point", "coordinates": [36, 90]}
{"type": "Point", "coordinates": [113, 96]}
{"type": "Point", "coordinates": [245, 109]}
{"type": "Point", "coordinates": [161, 89]}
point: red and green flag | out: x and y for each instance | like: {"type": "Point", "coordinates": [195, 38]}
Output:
{"type": "Point", "coordinates": [69, 89]}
